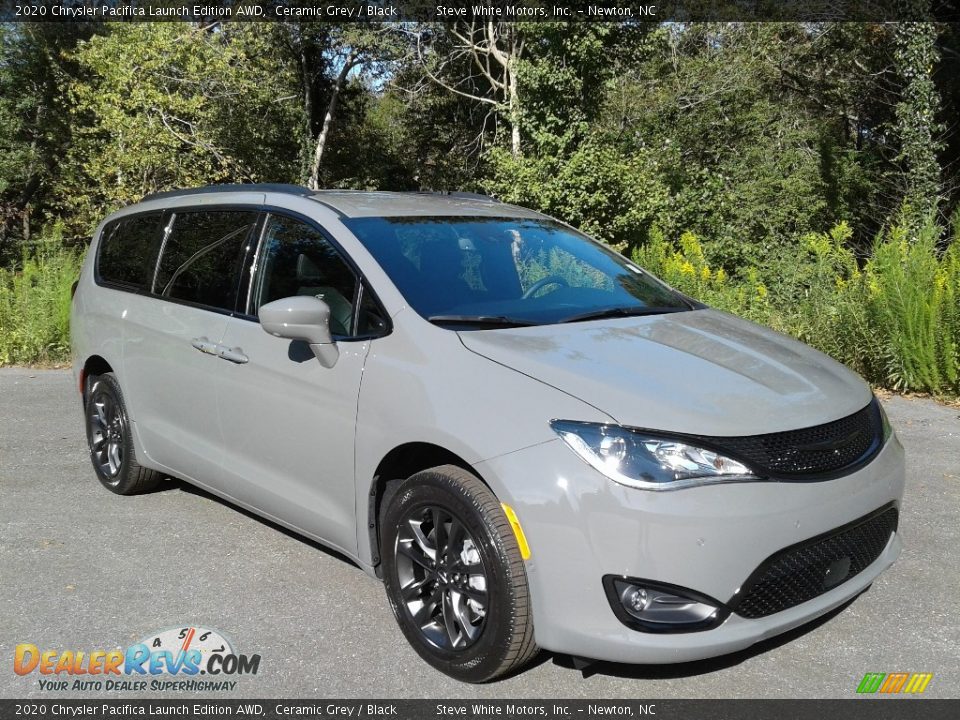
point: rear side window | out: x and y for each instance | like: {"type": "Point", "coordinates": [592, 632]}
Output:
{"type": "Point", "coordinates": [128, 251]}
{"type": "Point", "coordinates": [205, 257]}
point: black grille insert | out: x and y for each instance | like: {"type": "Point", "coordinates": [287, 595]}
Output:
{"type": "Point", "coordinates": [804, 571]}
{"type": "Point", "coordinates": [830, 449]}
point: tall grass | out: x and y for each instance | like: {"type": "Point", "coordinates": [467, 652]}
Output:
{"type": "Point", "coordinates": [35, 303]}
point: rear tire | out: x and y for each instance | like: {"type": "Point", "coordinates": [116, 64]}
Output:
{"type": "Point", "coordinates": [110, 439]}
{"type": "Point", "coordinates": [454, 575]}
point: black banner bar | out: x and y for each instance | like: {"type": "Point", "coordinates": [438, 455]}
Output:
{"type": "Point", "coordinates": [875, 708]}
{"type": "Point", "coordinates": [460, 10]}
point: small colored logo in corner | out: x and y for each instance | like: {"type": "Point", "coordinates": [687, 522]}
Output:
{"type": "Point", "coordinates": [182, 652]}
{"type": "Point", "coordinates": [894, 683]}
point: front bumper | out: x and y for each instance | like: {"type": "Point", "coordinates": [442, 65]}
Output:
{"type": "Point", "coordinates": [581, 526]}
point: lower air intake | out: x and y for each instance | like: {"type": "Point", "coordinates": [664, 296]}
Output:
{"type": "Point", "coordinates": [804, 571]}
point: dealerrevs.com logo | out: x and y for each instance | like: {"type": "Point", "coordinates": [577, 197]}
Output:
{"type": "Point", "coordinates": [171, 659]}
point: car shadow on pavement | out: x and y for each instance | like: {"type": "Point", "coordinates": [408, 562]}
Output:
{"type": "Point", "coordinates": [183, 486]}
{"type": "Point", "coordinates": [702, 667]}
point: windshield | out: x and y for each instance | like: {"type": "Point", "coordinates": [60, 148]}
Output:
{"type": "Point", "coordinates": [473, 271]}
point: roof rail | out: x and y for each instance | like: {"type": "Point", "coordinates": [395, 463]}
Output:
{"type": "Point", "coordinates": [458, 194]}
{"type": "Point", "coordinates": [233, 187]}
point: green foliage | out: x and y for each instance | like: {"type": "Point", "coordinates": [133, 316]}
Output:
{"type": "Point", "coordinates": [908, 289]}
{"type": "Point", "coordinates": [703, 103]}
{"type": "Point", "coordinates": [565, 75]}
{"type": "Point", "coordinates": [161, 105]}
{"type": "Point", "coordinates": [605, 192]}
{"type": "Point", "coordinates": [35, 303]}
{"type": "Point", "coordinates": [718, 154]}
{"type": "Point", "coordinates": [369, 146]}
{"type": "Point", "coordinates": [917, 126]}
{"type": "Point", "coordinates": [35, 126]}
{"type": "Point", "coordinates": [741, 133]}
{"type": "Point", "coordinates": [686, 268]}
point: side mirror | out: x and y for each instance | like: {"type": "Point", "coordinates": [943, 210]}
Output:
{"type": "Point", "coordinates": [305, 318]}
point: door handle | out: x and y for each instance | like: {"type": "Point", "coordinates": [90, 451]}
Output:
{"type": "Point", "coordinates": [234, 355]}
{"type": "Point", "coordinates": [204, 345]}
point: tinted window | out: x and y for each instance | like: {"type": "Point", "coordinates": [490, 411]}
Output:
{"type": "Point", "coordinates": [534, 271]}
{"type": "Point", "coordinates": [128, 250]}
{"type": "Point", "coordinates": [371, 319]}
{"type": "Point", "coordinates": [205, 257]}
{"type": "Point", "coordinates": [299, 260]}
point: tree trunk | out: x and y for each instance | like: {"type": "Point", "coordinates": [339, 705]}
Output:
{"type": "Point", "coordinates": [314, 182]}
{"type": "Point", "coordinates": [514, 110]}
{"type": "Point", "coordinates": [515, 50]}
{"type": "Point", "coordinates": [25, 219]}
{"type": "Point", "coordinates": [307, 82]}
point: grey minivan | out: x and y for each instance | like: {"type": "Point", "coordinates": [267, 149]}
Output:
{"type": "Point", "coordinates": [529, 439]}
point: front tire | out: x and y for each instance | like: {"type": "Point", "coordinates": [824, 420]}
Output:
{"type": "Point", "coordinates": [454, 576]}
{"type": "Point", "coordinates": [110, 439]}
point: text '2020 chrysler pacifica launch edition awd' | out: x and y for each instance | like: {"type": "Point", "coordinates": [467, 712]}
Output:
{"type": "Point", "coordinates": [533, 442]}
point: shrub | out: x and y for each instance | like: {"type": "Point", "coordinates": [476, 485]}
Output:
{"type": "Point", "coordinates": [687, 269]}
{"type": "Point", "coordinates": [35, 303]}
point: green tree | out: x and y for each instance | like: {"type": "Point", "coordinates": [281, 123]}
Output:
{"type": "Point", "coordinates": [35, 125]}
{"type": "Point", "coordinates": [361, 50]}
{"type": "Point", "coordinates": [170, 105]}
{"type": "Point", "coordinates": [917, 124]}
{"type": "Point", "coordinates": [570, 167]}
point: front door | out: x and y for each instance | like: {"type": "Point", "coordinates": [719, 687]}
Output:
{"type": "Point", "coordinates": [288, 422]}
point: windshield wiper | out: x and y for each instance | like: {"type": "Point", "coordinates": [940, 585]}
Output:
{"type": "Point", "coordinates": [491, 320]}
{"type": "Point", "coordinates": [617, 312]}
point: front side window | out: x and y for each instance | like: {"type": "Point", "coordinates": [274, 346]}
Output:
{"type": "Point", "coordinates": [205, 257]}
{"type": "Point", "coordinates": [128, 251]}
{"type": "Point", "coordinates": [475, 271]}
{"type": "Point", "coordinates": [299, 260]}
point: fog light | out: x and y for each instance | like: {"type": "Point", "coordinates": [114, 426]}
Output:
{"type": "Point", "coordinates": [658, 607]}
{"type": "Point", "coordinates": [637, 599]}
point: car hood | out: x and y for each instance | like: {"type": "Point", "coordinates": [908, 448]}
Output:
{"type": "Point", "coordinates": [703, 372]}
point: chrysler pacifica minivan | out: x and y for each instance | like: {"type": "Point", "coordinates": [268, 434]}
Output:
{"type": "Point", "coordinates": [529, 439]}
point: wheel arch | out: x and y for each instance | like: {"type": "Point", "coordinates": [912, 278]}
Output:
{"type": "Point", "coordinates": [93, 365]}
{"type": "Point", "coordinates": [399, 464]}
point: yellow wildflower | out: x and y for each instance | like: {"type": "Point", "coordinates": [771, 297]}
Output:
{"type": "Point", "coordinates": [940, 280]}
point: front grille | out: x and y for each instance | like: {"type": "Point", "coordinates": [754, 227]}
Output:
{"type": "Point", "coordinates": [841, 445]}
{"type": "Point", "coordinates": [808, 569]}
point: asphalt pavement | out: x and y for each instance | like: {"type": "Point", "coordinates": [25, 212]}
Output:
{"type": "Point", "coordinates": [83, 569]}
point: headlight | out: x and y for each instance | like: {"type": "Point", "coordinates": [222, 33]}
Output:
{"type": "Point", "coordinates": [646, 461]}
